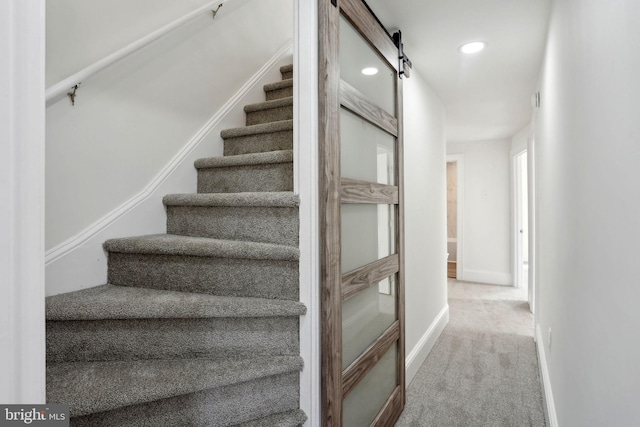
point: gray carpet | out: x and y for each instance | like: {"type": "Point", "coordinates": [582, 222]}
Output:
{"type": "Point", "coordinates": [483, 370]}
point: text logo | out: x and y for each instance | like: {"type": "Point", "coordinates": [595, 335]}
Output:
{"type": "Point", "coordinates": [53, 415]}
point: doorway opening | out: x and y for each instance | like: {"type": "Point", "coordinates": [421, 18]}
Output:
{"type": "Point", "coordinates": [455, 216]}
{"type": "Point", "coordinates": [521, 199]}
{"type": "Point", "coordinates": [452, 219]}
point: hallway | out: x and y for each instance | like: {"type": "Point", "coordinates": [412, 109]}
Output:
{"type": "Point", "coordinates": [483, 369]}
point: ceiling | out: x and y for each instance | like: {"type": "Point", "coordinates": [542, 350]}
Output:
{"type": "Point", "coordinates": [487, 95]}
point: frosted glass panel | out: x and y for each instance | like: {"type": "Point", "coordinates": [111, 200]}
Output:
{"type": "Point", "coordinates": [366, 151]}
{"type": "Point", "coordinates": [357, 55]}
{"type": "Point", "coordinates": [367, 234]}
{"type": "Point", "coordinates": [361, 406]}
{"type": "Point", "coordinates": [365, 317]}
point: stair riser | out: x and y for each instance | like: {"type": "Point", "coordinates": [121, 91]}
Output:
{"type": "Point", "coordinates": [208, 275]}
{"type": "Point", "coordinates": [279, 93]}
{"type": "Point", "coordinates": [286, 71]}
{"type": "Point", "coordinates": [259, 143]}
{"type": "Point", "coordinates": [287, 75]}
{"type": "Point", "coordinates": [223, 406]}
{"type": "Point", "coordinates": [135, 339]}
{"type": "Point", "coordinates": [247, 223]}
{"type": "Point", "coordinates": [238, 179]}
{"type": "Point", "coordinates": [270, 115]}
{"type": "Point", "coordinates": [295, 418]}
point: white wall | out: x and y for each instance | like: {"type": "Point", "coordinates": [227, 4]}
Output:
{"type": "Point", "coordinates": [588, 210]}
{"type": "Point", "coordinates": [425, 220]}
{"type": "Point", "coordinates": [486, 227]}
{"type": "Point", "coordinates": [137, 127]}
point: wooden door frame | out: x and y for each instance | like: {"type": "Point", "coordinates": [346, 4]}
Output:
{"type": "Point", "coordinates": [333, 93]}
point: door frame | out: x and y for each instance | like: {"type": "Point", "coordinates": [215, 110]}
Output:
{"type": "Point", "coordinates": [531, 216]}
{"type": "Point", "coordinates": [516, 206]}
{"type": "Point", "coordinates": [531, 205]}
{"type": "Point", "coordinates": [22, 184]}
{"type": "Point", "coordinates": [305, 148]}
{"type": "Point", "coordinates": [337, 382]}
{"type": "Point", "coordinates": [458, 159]}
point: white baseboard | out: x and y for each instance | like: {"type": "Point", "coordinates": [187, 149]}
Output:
{"type": "Point", "coordinates": [489, 277]}
{"type": "Point", "coordinates": [419, 353]}
{"type": "Point", "coordinates": [547, 399]}
{"type": "Point", "coordinates": [80, 262]}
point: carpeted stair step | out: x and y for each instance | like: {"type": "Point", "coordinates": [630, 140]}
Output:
{"type": "Point", "coordinates": [204, 265]}
{"type": "Point", "coordinates": [198, 327]}
{"type": "Point", "coordinates": [257, 172]}
{"type": "Point", "coordinates": [259, 138]}
{"type": "Point", "coordinates": [125, 323]}
{"type": "Point", "coordinates": [220, 407]}
{"type": "Point", "coordinates": [277, 90]}
{"type": "Point", "coordinates": [269, 111]}
{"type": "Point", "coordinates": [258, 217]}
{"type": "Point", "coordinates": [293, 418]}
{"type": "Point", "coordinates": [194, 392]}
{"type": "Point", "coordinates": [286, 71]}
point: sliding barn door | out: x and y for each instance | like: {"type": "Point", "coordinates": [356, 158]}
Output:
{"type": "Point", "coordinates": [361, 218]}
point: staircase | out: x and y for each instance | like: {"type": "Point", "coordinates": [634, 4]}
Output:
{"type": "Point", "coordinates": [199, 326]}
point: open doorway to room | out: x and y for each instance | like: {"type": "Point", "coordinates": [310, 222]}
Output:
{"type": "Point", "coordinates": [524, 230]}
{"type": "Point", "coordinates": [521, 223]}
{"type": "Point", "coordinates": [455, 184]}
{"type": "Point", "coordinates": [452, 219]}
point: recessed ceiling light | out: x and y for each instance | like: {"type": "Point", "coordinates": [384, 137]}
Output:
{"type": "Point", "coordinates": [472, 47]}
{"type": "Point", "coordinates": [370, 71]}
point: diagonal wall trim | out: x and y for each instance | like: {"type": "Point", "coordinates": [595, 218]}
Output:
{"type": "Point", "coordinates": [72, 243]}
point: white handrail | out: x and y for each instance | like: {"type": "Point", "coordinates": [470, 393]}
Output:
{"type": "Point", "coordinates": [68, 83]}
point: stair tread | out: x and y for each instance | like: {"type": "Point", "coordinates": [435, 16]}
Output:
{"type": "Point", "coordinates": [125, 302]}
{"type": "Point", "coordinates": [286, 68]}
{"type": "Point", "coordinates": [291, 418]}
{"type": "Point", "coordinates": [252, 159]}
{"type": "Point", "coordinates": [279, 126]}
{"type": "Point", "coordinates": [90, 387]}
{"type": "Point", "coordinates": [285, 199]}
{"type": "Point", "coordinates": [266, 105]}
{"type": "Point", "coordinates": [169, 244]}
{"type": "Point", "coordinates": [278, 85]}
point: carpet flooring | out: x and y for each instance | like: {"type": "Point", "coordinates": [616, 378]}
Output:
{"type": "Point", "coordinates": [483, 370]}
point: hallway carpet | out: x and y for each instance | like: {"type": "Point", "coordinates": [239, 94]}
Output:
{"type": "Point", "coordinates": [483, 369]}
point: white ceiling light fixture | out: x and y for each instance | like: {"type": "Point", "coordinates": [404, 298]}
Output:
{"type": "Point", "coordinates": [472, 47]}
{"type": "Point", "coordinates": [370, 71]}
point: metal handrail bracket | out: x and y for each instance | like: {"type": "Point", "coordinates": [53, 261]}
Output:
{"type": "Point", "coordinates": [71, 83]}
